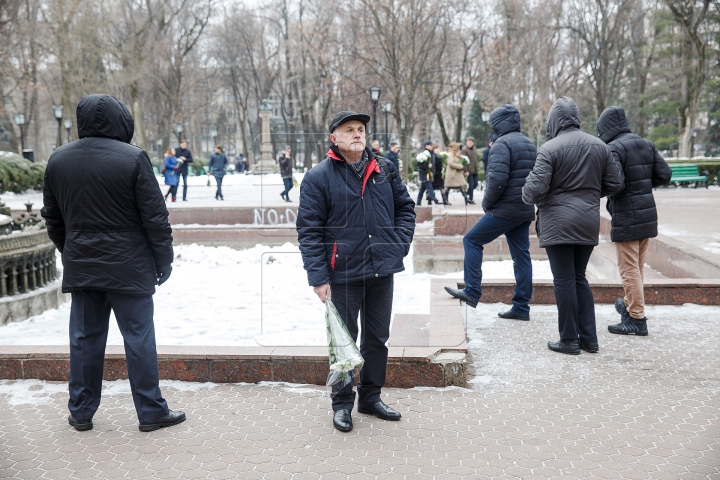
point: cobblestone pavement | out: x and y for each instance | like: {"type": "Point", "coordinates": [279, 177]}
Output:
{"type": "Point", "coordinates": [641, 408]}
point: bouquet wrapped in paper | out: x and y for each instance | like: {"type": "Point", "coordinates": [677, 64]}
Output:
{"type": "Point", "coordinates": [343, 352]}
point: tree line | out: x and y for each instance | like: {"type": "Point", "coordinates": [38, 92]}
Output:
{"type": "Point", "coordinates": [206, 64]}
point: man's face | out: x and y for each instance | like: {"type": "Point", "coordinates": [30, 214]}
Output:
{"type": "Point", "coordinates": [349, 136]}
{"type": "Point", "coordinates": [429, 148]}
{"type": "Point", "coordinates": [395, 148]}
{"type": "Point", "coordinates": [470, 143]}
{"type": "Point", "coordinates": [183, 144]}
{"type": "Point", "coordinates": [288, 151]}
{"type": "Point", "coordinates": [375, 145]}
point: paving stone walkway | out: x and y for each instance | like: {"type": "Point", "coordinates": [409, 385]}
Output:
{"type": "Point", "coordinates": [642, 408]}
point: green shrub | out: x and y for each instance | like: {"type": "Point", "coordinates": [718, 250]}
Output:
{"type": "Point", "coordinates": [18, 174]}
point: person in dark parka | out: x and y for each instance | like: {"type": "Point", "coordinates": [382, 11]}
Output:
{"type": "Point", "coordinates": [217, 167]}
{"type": "Point", "coordinates": [572, 172]}
{"type": "Point", "coordinates": [355, 224]}
{"type": "Point", "coordinates": [106, 215]}
{"type": "Point", "coordinates": [634, 215]}
{"type": "Point", "coordinates": [183, 151]}
{"type": "Point", "coordinates": [427, 162]}
{"type": "Point", "coordinates": [511, 158]}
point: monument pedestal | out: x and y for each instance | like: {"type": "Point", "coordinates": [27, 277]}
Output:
{"type": "Point", "coordinates": [267, 163]}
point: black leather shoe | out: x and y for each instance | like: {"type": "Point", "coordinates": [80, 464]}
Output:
{"type": "Point", "coordinates": [80, 425]}
{"type": "Point", "coordinates": [380, 410]}
{"type": "Point", "coordinates": [342, 420]}
{"type": "Point", "coordinates": [457, 293]}
{"type": "Point", "coordinates": [571, 348]}
{"type": "Point", "coordinates": [172, 418]}
{"type": "Point", "coordinates": [589, 347]}
{"type": "Point", "coordinates": [514, 316]}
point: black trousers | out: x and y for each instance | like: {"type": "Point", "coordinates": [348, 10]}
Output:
{"type": "Point", "coordinates": [575, 302]}
{"type": "Point", "coordinates": [472, 184]}
{"type": "Point", "coordinates": [427, 186]}
{"type": "Point", "coordinates": [183, 176]}
{"type": "Point", "coordinates": [373, 300]}
{"type": "Point", "coordinates": [89, 321]}
{"type": "Point", "coordinates": [218, 193]}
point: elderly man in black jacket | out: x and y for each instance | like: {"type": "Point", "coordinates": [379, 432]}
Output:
{"type": "Point", "coordinates": [634, 215]}
{"type": "Point", "coordinates": [355, 224]}
{"type": "Point", "coordinates": [105, 213]}
{"type": "Point", "coordinates": [511, 159]}
{"type": "Point", "coordinates": [572, 172]}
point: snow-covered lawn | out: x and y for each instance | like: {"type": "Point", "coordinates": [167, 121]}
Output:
{"type": "Point", "coordinates": [221, 296]}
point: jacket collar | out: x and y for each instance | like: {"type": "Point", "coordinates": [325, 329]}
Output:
{"type": "Point", "coordinates": [372, 166]}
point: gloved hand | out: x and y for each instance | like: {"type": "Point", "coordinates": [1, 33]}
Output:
{"type": "Point", "coordinates": [163, 274]}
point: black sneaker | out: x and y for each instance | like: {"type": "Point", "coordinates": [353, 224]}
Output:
{"type": "Point", "coordinates": [80, 425]}
{"type": "Point", "coordinates": [512, 315]}
{"type": "Point", "coordinates": [172, 418]}
{"type": "Point", "coordinates": [631, 326]}
{"type": "Point", "coordinates": [457, 293]}
{"type": "Point", "coordinates": [621, 308]}
{"type": "Point", "coordinates": [571, 348]}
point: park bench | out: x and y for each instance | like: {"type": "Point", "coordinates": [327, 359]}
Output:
{"type": "Point", "coordinates": [689, 174]}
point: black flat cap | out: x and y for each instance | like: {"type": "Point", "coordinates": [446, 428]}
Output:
{"type": "Point", "coordinates": [344, 117]}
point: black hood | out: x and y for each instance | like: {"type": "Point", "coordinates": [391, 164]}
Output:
{"type": "Point", "coordinates": [102, 115]}
{"type": "Point", "coordinates": [564, 115]}
{"type": "Point", "coordinates": [612, 123]}
{"type": "Point", "coordinates": [505, 119]}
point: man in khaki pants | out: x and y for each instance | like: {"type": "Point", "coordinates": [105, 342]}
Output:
{"type": "Point", "coordinates": [634, 215]}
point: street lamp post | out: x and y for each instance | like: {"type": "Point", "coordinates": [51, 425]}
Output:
{"type": "Point", "coordinates": [159, 148]}
{"type": "Point", "coordinates": [57, 110]}
{"type": "Point", "coordinates": [68, 126]}
{"type": "Point", "coordinates": [374, 96]}
{"type": "Point", "coordinates": [178, 131]}
{"type": "Point", "coordinates": [213, 134]}
{"type": "Point", "coordinates": [20, 121]}
{"type": "Point", "coordinates": [485, 118]}
{"type": "Point", "coordinates": [386, 108]}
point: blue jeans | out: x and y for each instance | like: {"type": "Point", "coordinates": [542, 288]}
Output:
{"type": "Point", "coordinates": [517, 235]}
{"type": "Point", "coordinates": [430, 193]}
{"type": "Point", "coordinates": [288, 182]}
{"type": "Point", "coordinates": [89, 322]}
{"type": "Point", "coordinates": [472, 184]}
{"type": "Point", "coordinates": [218, 180]}
{"type": "Point", "coordinates": [184, 179]}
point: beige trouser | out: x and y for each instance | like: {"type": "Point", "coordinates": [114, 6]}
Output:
{"type": "Point", "coordinates": [631, 258]}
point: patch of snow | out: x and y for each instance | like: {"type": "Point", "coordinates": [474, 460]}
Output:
{"type": "Point", "coordinates": [223, 296]}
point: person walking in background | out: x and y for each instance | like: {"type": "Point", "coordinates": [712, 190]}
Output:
{"type": "Point", "coordinates": [634, 215]}
{"type": "Point", "coordinates": [186, 155]}
{"type": "Point", "coordinates": [375, 146]}
{"type": "Point", "coordinates": [355, 224]}
{"type": "Point", "coordinates": [103, 212]}
{"type": "Point", "coordinates": [217, 166]}
{"type": "Point", "coordinates": [438, 179]}
{"type": "Point", "coordinates": [455, 173]}
{"type": "Point", "coordinates": [240, 163]}
{"type": "Point", "coordinates": [486, 153]}
{"type": "Point", "coordinates": [511, 159]}
{"type": "Point", "coordinates": [426, 161]}
{"type": "Point", "coordinates": [286, 172]}
{"type": "Point", "coordinates": [572, 172]}
{"type": "Point", "coordinates": [392, 156]}
{"type": "Point", "coordinates": [473, 165]}
{"type": "Point", "coordinates": [171, 173]}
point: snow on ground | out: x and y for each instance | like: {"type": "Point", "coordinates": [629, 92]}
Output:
{"type": "Point", "coordinates": [222, 296]}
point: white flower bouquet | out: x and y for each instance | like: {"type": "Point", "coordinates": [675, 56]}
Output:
{"type": "Point", "coordinates": [464, 160]}
{"type": "Point", "coordinates": [343, 352]}
{"type": "Point", "coordinates": [423, 157]}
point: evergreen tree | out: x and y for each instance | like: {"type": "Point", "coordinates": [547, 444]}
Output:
{"type": "Point", "coordinates": [476, 127]}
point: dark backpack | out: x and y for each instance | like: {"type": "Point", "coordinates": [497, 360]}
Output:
{"type": "Point", "coordinates": [390, 175]}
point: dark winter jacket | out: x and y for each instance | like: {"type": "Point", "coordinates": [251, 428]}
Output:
{"type": "Point", "coordinates": [634, 216]}
{"type": "Point", "coordinates": [511, 158]}
{"type": "Point", "coordinates": [183, 152]}
{"type": "Point", "coordinates": [573, 170]}
{"type": "Point", "coordinates": [392, 157]}
{"type": "Point", "coordinates": [103, 205]}
{"type": "Point", "coordinates": [438, 179]}
{"type": "Point", "coordinates": [472, 155]}
{"type": "Point", "coordinates": [427, 166]}
{"type": "Point", "coordinates": [286, 167]}
{"type": "Point", "coordinates": [349, 228]}
{"type": "Point", "coordinates": [217, 164]}
{"type": "Point", "coordinates": [486, 154]}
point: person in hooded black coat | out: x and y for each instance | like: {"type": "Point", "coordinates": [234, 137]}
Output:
{"type": "Point", "coordinates": [634, 215]}
{"type": "Point", "coordinates": [510, 160]}
{"type": "Point", "coordinates": [572, 172]}
{"type": "Point", "coordinates": [105, 214]}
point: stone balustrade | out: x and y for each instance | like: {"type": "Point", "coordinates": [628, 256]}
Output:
{"type": "Point", "coordinates": [27, 262]}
